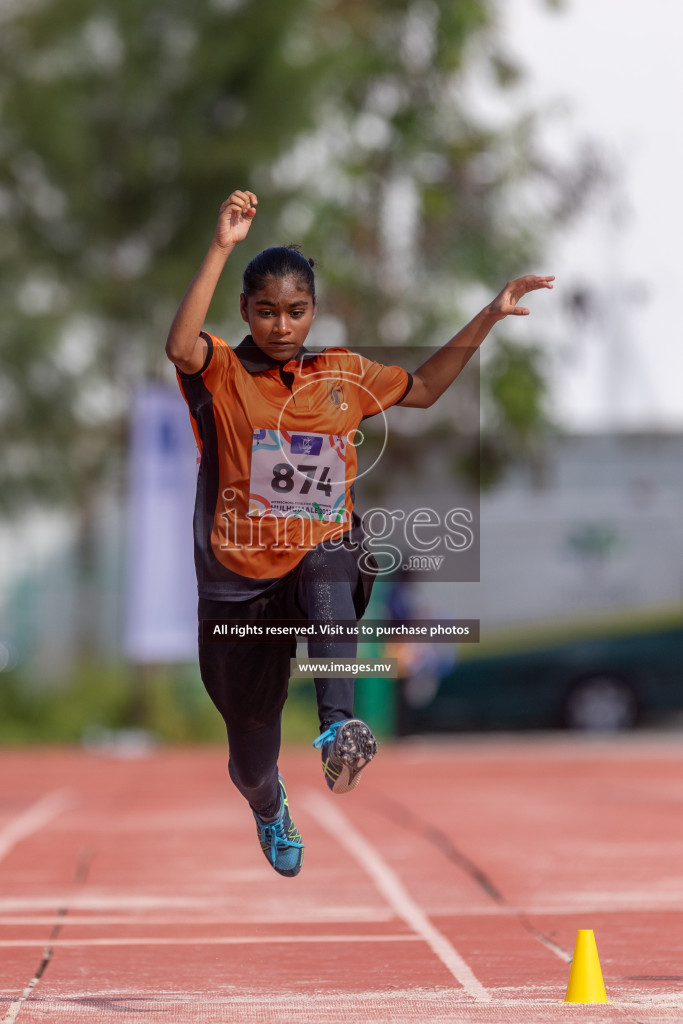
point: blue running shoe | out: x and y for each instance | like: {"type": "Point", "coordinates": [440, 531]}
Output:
{"type": "Point", "coordinates": [280, 839]}
{"type": "Point", "coordinates": [347, 748]}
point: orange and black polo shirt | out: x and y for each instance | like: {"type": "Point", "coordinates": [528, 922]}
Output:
{"type": "Point", "coordinates": [277, 457]}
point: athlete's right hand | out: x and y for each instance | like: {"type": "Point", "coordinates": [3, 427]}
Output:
{"type": "Point", "coordinates": [234, 219]}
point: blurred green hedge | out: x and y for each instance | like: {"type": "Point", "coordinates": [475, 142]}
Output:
{"type": "Point", "coordinates": [106, 700]}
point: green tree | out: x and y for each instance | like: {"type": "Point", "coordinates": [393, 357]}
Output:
{"type": "Point", "coordinates": [123, 128]}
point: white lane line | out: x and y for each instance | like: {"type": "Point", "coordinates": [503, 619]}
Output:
{"type": "Point", "coordinates": [545, 940]}
{"type": "Point", "coordinates": [30, 821]}
{"type": "Point", "coordinates": [395, 893]}
{"type": "Point", "coordinates": [15, 1007]}
{"type": "Point", "coordinates": [33, 819]}
{"type": "Point", "coordinates": [197, 920]}
{"type": "Point", "coordinates": [210, 940]}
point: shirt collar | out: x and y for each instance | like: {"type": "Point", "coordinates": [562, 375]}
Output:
{"type": "Point", "coordinates": [254, 359]}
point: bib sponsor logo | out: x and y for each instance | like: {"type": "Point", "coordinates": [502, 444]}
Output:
{"type": "Point", "coordinates": [306, 444]}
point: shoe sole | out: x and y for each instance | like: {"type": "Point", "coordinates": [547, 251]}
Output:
{"type": "Point", "coordinates": [355, 747]}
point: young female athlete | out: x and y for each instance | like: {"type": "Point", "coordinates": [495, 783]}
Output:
{"type": "Point", "coordinates": [276, 534]}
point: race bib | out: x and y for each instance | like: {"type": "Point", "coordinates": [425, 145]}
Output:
{"type": "Point", "coordinates": [301, 475]}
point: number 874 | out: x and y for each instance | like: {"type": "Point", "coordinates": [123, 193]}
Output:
{"type": "Point", "coordinates": [283, 478]}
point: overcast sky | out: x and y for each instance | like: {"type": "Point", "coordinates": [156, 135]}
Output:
{"type": "Point", "coordinates": [619, 65]}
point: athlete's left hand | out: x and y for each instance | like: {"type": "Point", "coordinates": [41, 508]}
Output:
{"type": "Point", "coordinates": [505, 303]}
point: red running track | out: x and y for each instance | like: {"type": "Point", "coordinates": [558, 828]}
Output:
{"type": "Point", "coordinates": [449, 887]}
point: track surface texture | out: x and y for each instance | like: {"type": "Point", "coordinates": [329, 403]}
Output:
{"type": "Point", "coordinates": [448, 887]}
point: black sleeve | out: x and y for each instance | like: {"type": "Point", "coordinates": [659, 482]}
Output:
{"type": "Point", "coordinates": [209, 353]}
{"type": "Point", "coordinates": [407, 390]}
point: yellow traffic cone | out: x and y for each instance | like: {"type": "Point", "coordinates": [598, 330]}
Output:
{"type": "Point", "coordinates": [585, 977]}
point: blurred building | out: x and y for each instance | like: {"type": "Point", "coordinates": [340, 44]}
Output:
{"type": "Point", "coordinates": [604, 532]}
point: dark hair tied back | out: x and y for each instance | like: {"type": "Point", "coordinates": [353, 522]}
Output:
{"type": "Point", "coordinates": [279, 261]}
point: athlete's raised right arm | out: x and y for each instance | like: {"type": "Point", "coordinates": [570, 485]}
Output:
{"type": "Point", "coordinates": [184, 346]}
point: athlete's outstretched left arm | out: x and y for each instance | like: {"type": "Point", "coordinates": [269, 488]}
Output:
{"type": "Point", "coordinates": [436, 374]}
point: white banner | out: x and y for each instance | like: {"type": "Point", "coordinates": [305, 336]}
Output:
{"type": "Point", "coordinates": [161, 590]}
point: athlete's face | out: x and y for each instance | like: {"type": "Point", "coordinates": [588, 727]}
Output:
{"type": "Point", "coordinates": [279, 316]}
